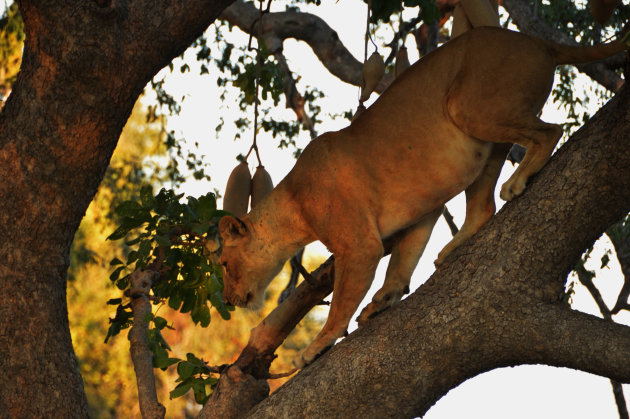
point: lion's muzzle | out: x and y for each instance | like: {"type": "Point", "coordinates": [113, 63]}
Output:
{"type": "Point", "coordinates": [236, 300]}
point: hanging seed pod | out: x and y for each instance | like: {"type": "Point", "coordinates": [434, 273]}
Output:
{"type": "Point", "coordinates": [373, 71]}
{"type": "Point", "coordinates": [480, 13]}
{"type": "Point", "coordinates": [402, 61]}
{"type": "Point", "coordinates": [461, 23]}
{"type": "Point", "coordinates": [602, 10]}
{"type": "Point", "coordinates": [237, 190]}
{"type": "Point", "coordinates": [261, 185]}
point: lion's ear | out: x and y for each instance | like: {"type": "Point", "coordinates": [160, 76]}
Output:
{"type": "Point", "coordinates": [232, 228]}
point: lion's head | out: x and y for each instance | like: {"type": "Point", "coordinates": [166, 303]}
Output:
{"type": "Point", "coordinates": [248, 261]}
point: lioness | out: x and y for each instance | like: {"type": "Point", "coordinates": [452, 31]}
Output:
{"type": "Point", "coordinates": [443, 127]}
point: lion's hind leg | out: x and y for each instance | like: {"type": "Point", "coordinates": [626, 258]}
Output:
{"type": "Point", "coordinates": [507, 114]}
{"type": "Point", "coordinates": [407, 247]}
{"type": "Point", "coordinates": [480, 205]}
{"type": "Point", "coordinates": [498, 121]}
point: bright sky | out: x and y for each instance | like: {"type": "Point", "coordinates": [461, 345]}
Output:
{"type": "Point", "coordinates": [522, 392]}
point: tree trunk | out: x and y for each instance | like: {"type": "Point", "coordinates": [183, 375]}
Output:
{"type": "Point", "coordinates": [84, 65]}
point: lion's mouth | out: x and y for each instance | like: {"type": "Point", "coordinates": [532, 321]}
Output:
{"type": "Point", "coordinates": [239, 301]}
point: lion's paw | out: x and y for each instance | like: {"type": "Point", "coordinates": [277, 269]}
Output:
{"type": "Point", "coordinates": [512, 188]}
{"type": "Point", "coordinates": [381, 302]}
{"type": "Point", "coordinates": [309, 355]}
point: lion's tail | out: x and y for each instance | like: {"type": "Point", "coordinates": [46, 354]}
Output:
{"type": "Point", "coordinates": [565, 54]}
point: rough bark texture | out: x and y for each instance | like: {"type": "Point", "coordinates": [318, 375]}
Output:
{"type": "Point", "coordinates": [83, 68]}
{"type": "Point", "coordinates": [496, 302]}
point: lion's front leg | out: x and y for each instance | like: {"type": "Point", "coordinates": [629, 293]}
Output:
{"type": "Point", "coordinates": [354, 273]}
{"type": "Point", "coordinates": [408, 246]}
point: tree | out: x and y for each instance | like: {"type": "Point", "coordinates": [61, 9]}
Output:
{"type": "Point", "coordinates": [496, 302]}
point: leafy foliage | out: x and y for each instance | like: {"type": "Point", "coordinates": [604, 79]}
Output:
{"type": "Point", "coordinates": [194, 374]}
{"type": "Point", "coordinates": [172, 238]}
{"type": "Point", "coordinates": [575, 19]}
{"type": "Point", "coordinates": [178, 240]}
{"type": "Point", "coordinates": [382, 10]}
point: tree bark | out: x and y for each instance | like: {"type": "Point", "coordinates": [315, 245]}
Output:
{"type": "Point", "coordinates": [84, 65]}
{"type": "Point", "coordinates": [495, 303]}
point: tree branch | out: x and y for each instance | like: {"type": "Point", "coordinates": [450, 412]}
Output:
{"type": "Point", "coordinates": [306, 27]}
{"type": "Point", "coordinates": [528, 22]}
{"type": "Point", "coordinates": [141, 354]}
{"type": "Point", "coordinates": [586, 278]}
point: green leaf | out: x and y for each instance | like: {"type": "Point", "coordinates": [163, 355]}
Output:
{"type": "Point", "coordinates": [113, 330]}
{"type": "Point", "coordinates": [185, 369]}
{"type": "Point", "coordinates": [200, 228]}
{"type": "Point", "coordinates": [199, 387]}
{"type": "Point", "coordinates": [217, 301]}
{"type": "Point", "coordinates": [180, 390]}
{"type": "Point", "coordinates": [190, 297]}
{"type": "Point", "coordinates": [212, 381]}
{"type": "Point", "coordinates": [132, 257]}
{"type": "Point", "coordinates": [126, 225]}
{"type": "Point", "coordinates": [206, 207]}
{"type": "Point", "coordinates": [115, 261]}
{"type": "Point", "coordinates": [123, 283]}
{"type": "Point", "coordinates": [191, 358]}
{"type": "Point", "coordinates": [160, 322]}
{"type": "Point", "coordinates": [175, 300]}
{"type": "Point", "coordinates": [119, 233]}
{"type": "Point", "coordinates": [114, 301]}
{"type": "Point", "coordinates": [114, 275]}
{"type": "Point", "coordinates": [201, 315]}
{"type": "Point", "coordinates": [128, 209]}
{"type": "Point", "coordinates": [163, 362]}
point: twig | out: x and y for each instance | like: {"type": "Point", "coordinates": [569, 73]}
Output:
{"type": "Point", "coordinates": [586, 278]}
{"type": "Point", "coordinates": [282, 374]}
{"type": "Point", "coordinates": [450, 221]}
{"type": "Point", "coordinates": [307, 276]}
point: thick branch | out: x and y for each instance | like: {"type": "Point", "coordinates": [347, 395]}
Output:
{"type": "Point", "coordinates": [528, 22]}
{"type": "Point", "coordinates": [566, 338]}
{"type": "Point", "coordinates": [304, 27]}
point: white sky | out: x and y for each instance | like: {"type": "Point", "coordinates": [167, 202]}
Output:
{"type": "Point", "coordinates": [521, 392]}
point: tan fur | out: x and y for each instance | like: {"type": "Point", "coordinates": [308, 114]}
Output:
{"type": "Point", "coordinates": [443, 127]}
